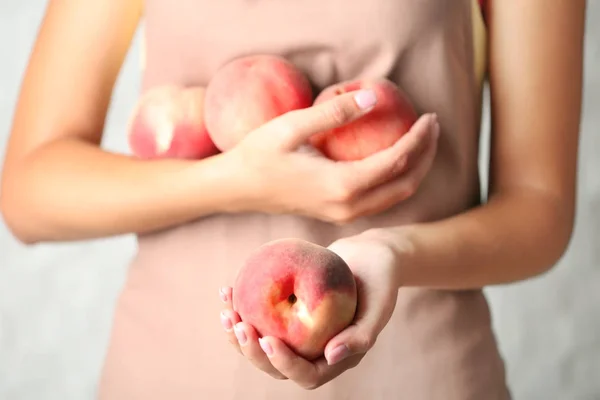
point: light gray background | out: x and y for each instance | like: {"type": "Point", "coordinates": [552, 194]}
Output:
{"type": "Point", "coordinates": [56, 300]}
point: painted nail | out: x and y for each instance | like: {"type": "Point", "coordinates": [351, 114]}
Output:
{"type": "Point", "coordinates": [435, 125]}
{"type": "Point", "coordinates": [365, 99]}
{"type": "Point", "coordinates": [436, 130]}
{"type": "Point", "coordinates": [240, 334]}
{"type": "Point", "coordinates": [338, 354]}
{"type": "Point", "coordinates": [266, 347]}
{"type": "Point", "coordinates": [223, 295]}
{"type": "Point", "coordinates": [226, 322]}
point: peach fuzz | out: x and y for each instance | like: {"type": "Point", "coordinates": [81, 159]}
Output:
{"type": "Point", "coordinates": [390, 119]}
{"type": "Point", "coordinates": [168, 122]}
{"type": "Point", "coordinates": [298, 291]}
{"type": "Point", "coordinates": [249, 91]}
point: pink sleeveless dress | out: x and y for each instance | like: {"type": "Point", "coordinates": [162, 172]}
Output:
{"type": "Point", "coordinates": [167, 342]}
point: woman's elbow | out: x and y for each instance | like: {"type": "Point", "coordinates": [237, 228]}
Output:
{"type": "Point", "coordinates": [557, 234]}
{"type": "Point", "coordinates": [15, 213]}
{"type": "Point", "coordinates": [15, 221]}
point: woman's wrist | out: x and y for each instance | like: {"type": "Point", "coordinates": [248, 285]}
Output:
{"type": "Point", "coordinates": [220, 185]}
{"type": "Point", "coordinates": [395, 246]}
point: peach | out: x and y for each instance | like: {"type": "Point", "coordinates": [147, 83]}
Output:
{"type": "Point", "coordinates": [168, 122]}
{"type": "Point", "coordinates": [391, 118]}
{"type": "Point", "coordinates": [249, 91]}
{"type": "Point", "coordinates": [297, 291]}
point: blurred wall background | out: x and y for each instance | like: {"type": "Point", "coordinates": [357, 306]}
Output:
{"type": "Point", "coordinates": [56, 301]}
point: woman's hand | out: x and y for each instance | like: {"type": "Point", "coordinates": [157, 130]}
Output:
{"type": "Point", "coordinates": [375, 269]}
{"type": "Point", "coordinates": [283, 174]}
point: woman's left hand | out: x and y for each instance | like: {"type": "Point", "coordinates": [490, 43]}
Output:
{"type": "Point", "coordinates": [374, 266]}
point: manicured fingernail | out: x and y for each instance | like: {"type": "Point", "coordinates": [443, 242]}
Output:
{"type": "Point", "coordinates": [365, 99]}
{"type": "Point", "coordinates": [240, 334]}
{"type": "Point", "coordinates": [223, 295]}
{"type": "Point", "coordinates": [338, 354]}
{"type": "Point", "coordinates": [226, 322]}
{"type": "Point", "coordinates": [266, 347]}
{"type": "Point", "coordinates": [435, 125]}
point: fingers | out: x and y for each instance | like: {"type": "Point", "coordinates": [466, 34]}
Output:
{"type": "Point", "coordinates": [229, 317]}
{"type": "Point", "coordinates": [243, 337]}
{"type": "Point", "coordinates": [302, 371]}
{"type": "Point", "coordinates": [307, 374]}
{"type": "Point", "coordinates": [251, 349]}
{"type": "Point", "coordinates": [395, 191]}
{"type": "Point", "coordinates": [294, 128]}
{"type": "Point", "coordinates": [273, 357]}
{"type": "Point", "coordinates": [386, 164]}
{"type": "Point", "coordinates": [351, 341]}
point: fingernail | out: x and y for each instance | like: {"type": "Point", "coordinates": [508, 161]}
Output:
{"type": "Point", "coordinates": [240, 334]}
{"type": "Point", "coordinates": [226, 322]}
{"type": "Point", "coordinates": [435, 125]}
{"type": "Point", "coordinates": [365, 99]}
{"type": "Point", "coordinates": [436, 131]}
{"type": "Point", "coordinates": [265, 346]}
{"type": "Point", "coordinates": [338, 354]}
{"type": "Point", "coordinates": [223, 295]}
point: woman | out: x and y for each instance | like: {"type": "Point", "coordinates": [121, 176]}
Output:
{"type": "Point", "coordinates": [415, 234]}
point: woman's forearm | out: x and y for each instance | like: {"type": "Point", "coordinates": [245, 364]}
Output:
{"type": "Point", "coordinates": [514, 237]}
{"type": "Point", "coordinates": [72, 190]}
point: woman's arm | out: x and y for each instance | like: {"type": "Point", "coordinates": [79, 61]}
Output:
{"type": "Point", "coordinates": [59, 185]}
{"type": "Point", "coordinates": [536, 63]}
{"type": "Point", "coordinates": [536, 82]}
{"type": "Point", "coordinates": [57, 182]}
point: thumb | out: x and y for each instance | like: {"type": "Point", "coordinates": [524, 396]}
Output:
{"type": "Point", "coordinates": [356, 339]}
{"type": "Point", "coordinates": [299, 125]}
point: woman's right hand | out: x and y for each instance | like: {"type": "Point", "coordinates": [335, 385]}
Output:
{"type": "Point", "coordinates": [282, 174]}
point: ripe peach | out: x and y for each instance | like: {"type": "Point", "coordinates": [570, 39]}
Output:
{"type": "Point", "coordinates": [297, 291]}
{"type": "Point", "coordinates": [249, 91]}
{"type": "Point", "coordinates": [168, 122]}
{"type": "Point", "coordinates": [391, 118]}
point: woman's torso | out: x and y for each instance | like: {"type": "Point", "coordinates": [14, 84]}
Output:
{"type": "Point", "coordinates": [167, 341]}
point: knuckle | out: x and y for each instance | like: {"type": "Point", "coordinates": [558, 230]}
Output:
{"type": "Point", "coordinates": [278, 376]}
{"type": "Point", "coordinates": [338, 113]}
{"type": "Point", "coordinates": [391, 169]}
{"type": "Point", "coordinates": [344, 191]}
{"type": "Point", "coordinates": [410, 187]}
{"type": "Point", "coordinates": [311, 385]}
{"type": "Point", "coordinates": [400, 196]}
{"type": "Point", "coordinates": [283, 128]}
{"type": "Point", "coordinates": [342, 194]}
{"type": "Point", "coordinates": [398, 166]}
{"type": "Point", "coordinates": [366, 341]}
{"type": "Point", "coordinates": [287, 131]}
{"type": "Point", "coordinates": [343, 214]}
